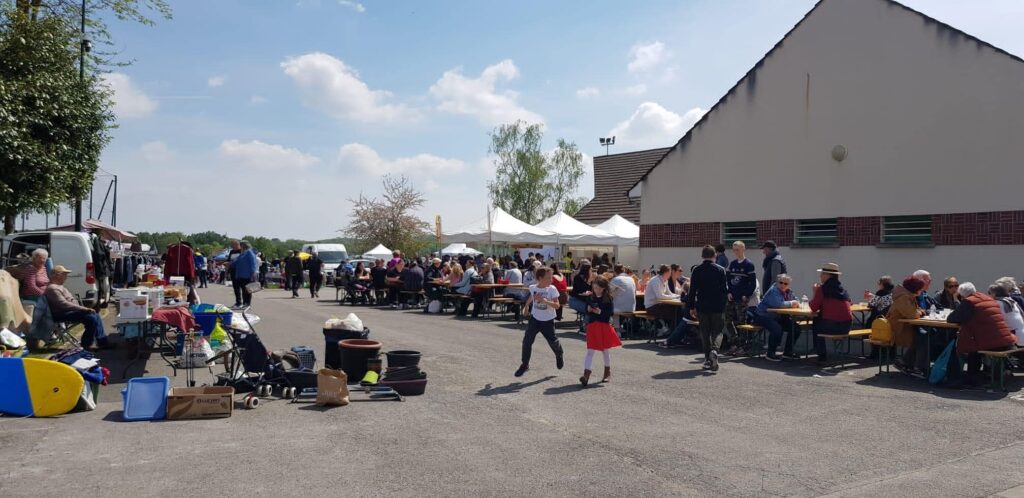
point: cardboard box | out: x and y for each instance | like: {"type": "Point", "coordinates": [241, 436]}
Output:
{"type": "Point", "coordinates": [200, 402]}
{"type": "Point", "coordinates": [133, 306]}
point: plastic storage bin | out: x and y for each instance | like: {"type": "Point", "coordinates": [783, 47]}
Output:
{"type": "Point", "coordinates": [145, 398]}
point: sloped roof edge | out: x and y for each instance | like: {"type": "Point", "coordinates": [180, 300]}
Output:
{"type": "Point", "coordinates": [685, 138]}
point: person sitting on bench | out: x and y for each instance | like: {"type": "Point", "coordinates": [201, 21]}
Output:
{"type": "Point", "coordinates": [65, 308]}
{"type": "Point", "coordinates": [982, 328]}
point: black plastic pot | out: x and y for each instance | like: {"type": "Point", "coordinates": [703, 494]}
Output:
{"type": "Point", "coordinates": [332, 355]}
{"type": "Point", "coordinates": [354, 353]}
{"type": "Point", "coordinates": [407, 387]}
{"type": "Point", "coordinates": [404, 373]}
{"type": "Point", "coordinates": [403, 358]}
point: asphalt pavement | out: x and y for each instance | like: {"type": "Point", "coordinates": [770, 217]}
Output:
{"type": "Point", "coordinates": [661, 427]}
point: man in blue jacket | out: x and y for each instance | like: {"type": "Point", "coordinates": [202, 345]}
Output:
{"type": "Point", "coordinates": [707, 300]}
{"type": "Point", "coordinates": [742, 285]}
{"type": "Point", "coordinates": [246, 270]}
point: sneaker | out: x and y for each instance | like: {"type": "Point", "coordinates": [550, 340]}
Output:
{"type": "Point", "coordinates": [559, 362]}
{"type": "Point", "coordinates": [714, 361]}
{"type": "Point", "coordinates": [394, 306]}
{"type": "Point", "coordinates": [790, 356]}
{"type": "Point", "coordinates": [772, 357]}
{"type": "Point", "coordinates": [707, 365]}
{"type": "Point", "coordinates": [522, 370]}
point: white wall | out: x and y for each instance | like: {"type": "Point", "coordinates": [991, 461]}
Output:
{"type": "Point", "coordinates": [928, 117]}
{"type": "Point", "coordinates": [862, 265]}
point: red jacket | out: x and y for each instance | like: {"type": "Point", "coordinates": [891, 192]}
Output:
{"type": "Point", "coordinates": [983, 327]}
{"type": "Point", "coordinates": [180, 262]}
{"type": "Point", "coordinates": [837, 310]}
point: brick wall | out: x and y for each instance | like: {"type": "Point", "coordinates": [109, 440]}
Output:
{"type": "Point", "coordinates": [989, 228]}
{"type": "Point", "coordinates": [779, 231]}
{"type": "Point", "coordinates": [680, 234]}
{"type": "Point", "coordinates": [859, 231]}
{"type": "Point", "coordinates": [973, 229]}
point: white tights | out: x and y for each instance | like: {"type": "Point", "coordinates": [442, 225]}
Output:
{"type": "Point", "coordinates": [588, 361]}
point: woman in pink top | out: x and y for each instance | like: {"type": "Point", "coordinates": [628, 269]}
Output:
{"type": "Point", "coordinates": [32, 276]}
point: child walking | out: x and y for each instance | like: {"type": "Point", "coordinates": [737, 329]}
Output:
{"type": "Point", "coordinates": [600, 334]}
{"type": "Point", "coordinates": [544, 298]}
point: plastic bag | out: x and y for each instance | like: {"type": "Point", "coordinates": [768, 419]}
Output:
{"type": "Point", "coordinates": [11, 340]}
{"type": "Point", "coordinates": [352, 322]}
{"type": "Point", "coordinates": [197, 356]}
{"type": "Point", "coordinates": [331, 388]}
{"type": "Point", "coordinates": [434, 306]}
{"type": "Point", "coordinates": [947, 367]}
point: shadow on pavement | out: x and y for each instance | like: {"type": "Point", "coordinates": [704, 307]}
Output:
{"type": "Point", "coordinates": [902, 382]}
{"type": "Point", "coordinates": [512, 388]}
{"type": "Point", "coordinates": [573, 388]}
{"type": "Point", "coordinates": [682, 375]}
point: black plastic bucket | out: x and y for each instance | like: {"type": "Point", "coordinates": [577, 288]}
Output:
{"type": "Point", "coordinates": [332, 355]}
{"type": "Point", "coordinates": [403, 358]}
{"type": "Point", "coordinates": [354, 353]}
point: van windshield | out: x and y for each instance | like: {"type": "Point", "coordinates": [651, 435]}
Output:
{"type": "Point", "coordinates": [333, 256]}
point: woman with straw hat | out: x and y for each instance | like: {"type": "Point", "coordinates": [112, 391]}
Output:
{"type": "Point", "coordinates": [831, 305]}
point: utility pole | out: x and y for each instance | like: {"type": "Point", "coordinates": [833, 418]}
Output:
{"type": "Point", "coordinates": [83, 48]}
{"type": "Point", "coordinates": [113, 211]}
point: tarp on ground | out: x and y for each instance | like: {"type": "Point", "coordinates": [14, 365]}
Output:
{"type": "Point", "coordinates": [378, 252]}
{"type": "Point", "coordinates": [459, 249]}
{"type": "Point", "coordinates": [500, 227]}
{"type": "Point", "coordinates": [623, 229]}
{"type": "Point", "coordinates": [103, 230]}
{"type": "Point", "coordinates": [571, 231]}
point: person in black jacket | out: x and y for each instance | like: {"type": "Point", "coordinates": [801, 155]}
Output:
{"type": "Point", "coordinates": [432, 273]}
{"type": "Point", "coordinates": [707, 298]}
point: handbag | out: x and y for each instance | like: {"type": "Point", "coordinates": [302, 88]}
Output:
{"type": "Point", "coordinates": [253, 287]}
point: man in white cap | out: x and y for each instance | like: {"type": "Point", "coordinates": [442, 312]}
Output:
{"type": "Point", "coordinates": [65, 308]}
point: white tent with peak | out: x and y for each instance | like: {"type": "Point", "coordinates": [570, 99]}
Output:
{"type": "Point", "coordinates": [378, 252]}
{"type": "Point", "coordinates": [500, 227]}
{"type": "Point", "coordinates": [568, 230]}
{"type": "Point", "coordinates": [623, 229]}
{"type": "Point", "coordinates": [459, 249]}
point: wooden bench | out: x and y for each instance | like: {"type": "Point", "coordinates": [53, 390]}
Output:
{"type": "Point", "coordinates": [757, 332]}
{"type": "Point", "coordinates": [853, 334]}
{"type": "Point", "coordinates": [999, 364]}
{"type": "Point", "coordinates": [886, 352]}
{"type": "Point", "coordinates": [625, 319]}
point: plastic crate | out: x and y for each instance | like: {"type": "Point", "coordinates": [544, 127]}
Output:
{"type": "Point", "coordinates": [145, 398]}
{"type": "Point", "coordinates": [208, 319]}
{"type": "Point", "coordinates": [307, 359]}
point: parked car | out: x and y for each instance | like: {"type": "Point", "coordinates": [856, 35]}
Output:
{"type": "Point", "coordinates": [84, 254]}
{"type": "Point", "coordinates": [331, 254]}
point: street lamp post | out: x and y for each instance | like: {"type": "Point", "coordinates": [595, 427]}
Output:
{"type": "Point", "coordinates": [85, 46]}
{"type": "Point", "coordinates": [607, 142]}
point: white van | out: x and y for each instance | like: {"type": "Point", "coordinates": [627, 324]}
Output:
{"type": "Point", "coordinates": [332, 254]}
{"type": "Point", "coordinates": [84, 254]}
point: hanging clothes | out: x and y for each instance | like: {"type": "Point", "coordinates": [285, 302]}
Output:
{"type": "Point", "coordinates": [180, 262]}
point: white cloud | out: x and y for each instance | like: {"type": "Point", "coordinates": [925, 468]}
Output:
{"type": "Point", "coordinates": [257, 100]}
{"type": "Point", "coordinates": [587, 93]}
{"type": "Point", "coordinates": [216, 81]}
{"type": "Point", "coordinates": [638, 89]}
{"type": "Point", "coordinates": [477, 97]}
{"type": "Point", "coordinates": [651, 125]}
{"type": "Point", "coordinates": [363, 157]}
{"type": "Point", "coordinates": [129, 101]}
{"type": "Point", "coordinates": [647, 57]}
{"type": "Point", "coordinates": [156, 152]}
{"type": "Point", "coordinates": [356, 6]}
{"type": "Point", "coordinates": [259, 156]}
{"type": "Point", "coordinates": [330, 86]}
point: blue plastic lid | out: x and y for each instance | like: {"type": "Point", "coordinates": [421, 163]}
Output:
{"type": "Point", "coordinates": [302, 349]}
{"type": "Point", "coordinates": [146, 398]}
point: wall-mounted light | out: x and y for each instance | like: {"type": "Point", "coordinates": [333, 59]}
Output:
{"type": "Point", "coordinates": [839, 153]}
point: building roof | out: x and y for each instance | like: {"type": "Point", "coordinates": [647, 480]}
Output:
{"type": "Point", "coordinates": [750, 75]}
{"type": "Point", "coordinates": [613, 175]}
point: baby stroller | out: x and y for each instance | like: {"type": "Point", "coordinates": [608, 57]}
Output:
{"type": "Point", "coordinates": [251, 368]}
{"type": "Point", "coordinates": [355, 291]}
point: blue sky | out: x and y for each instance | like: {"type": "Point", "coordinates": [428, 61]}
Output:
{"type": "Point", "coordinates": [265, 116]}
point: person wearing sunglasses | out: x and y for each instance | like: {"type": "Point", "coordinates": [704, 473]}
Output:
{"type": "Point", "coordinates": [948, 297]}
{"type": "Point", "coordinates": [778, 296]}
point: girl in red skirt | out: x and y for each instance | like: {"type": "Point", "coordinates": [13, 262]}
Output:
{"type": "Point", "coordinates": [601, 335]}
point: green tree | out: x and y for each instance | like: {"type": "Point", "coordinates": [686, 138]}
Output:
{"type": "Point", "coordinates": [390, 220]}
{"type": "Point", "coordinates": [528, 183]}
{"type": "Point", "coordinates": [54, 123]}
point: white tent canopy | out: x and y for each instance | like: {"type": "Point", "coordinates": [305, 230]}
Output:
{"type": "Point", "coordinates": [458, 250]}
{"type": "Point", "coordinates": [570, 231]}
{"type": "Point", "coordinates": [623, 229]}
{"type": "Point", "coordinates": [378, 252]}
{"type": "Point", "coordinates": [500, 227]}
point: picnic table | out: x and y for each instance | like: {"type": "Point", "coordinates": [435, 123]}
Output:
{"type": "Point", "coordinates": [929, 325]}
